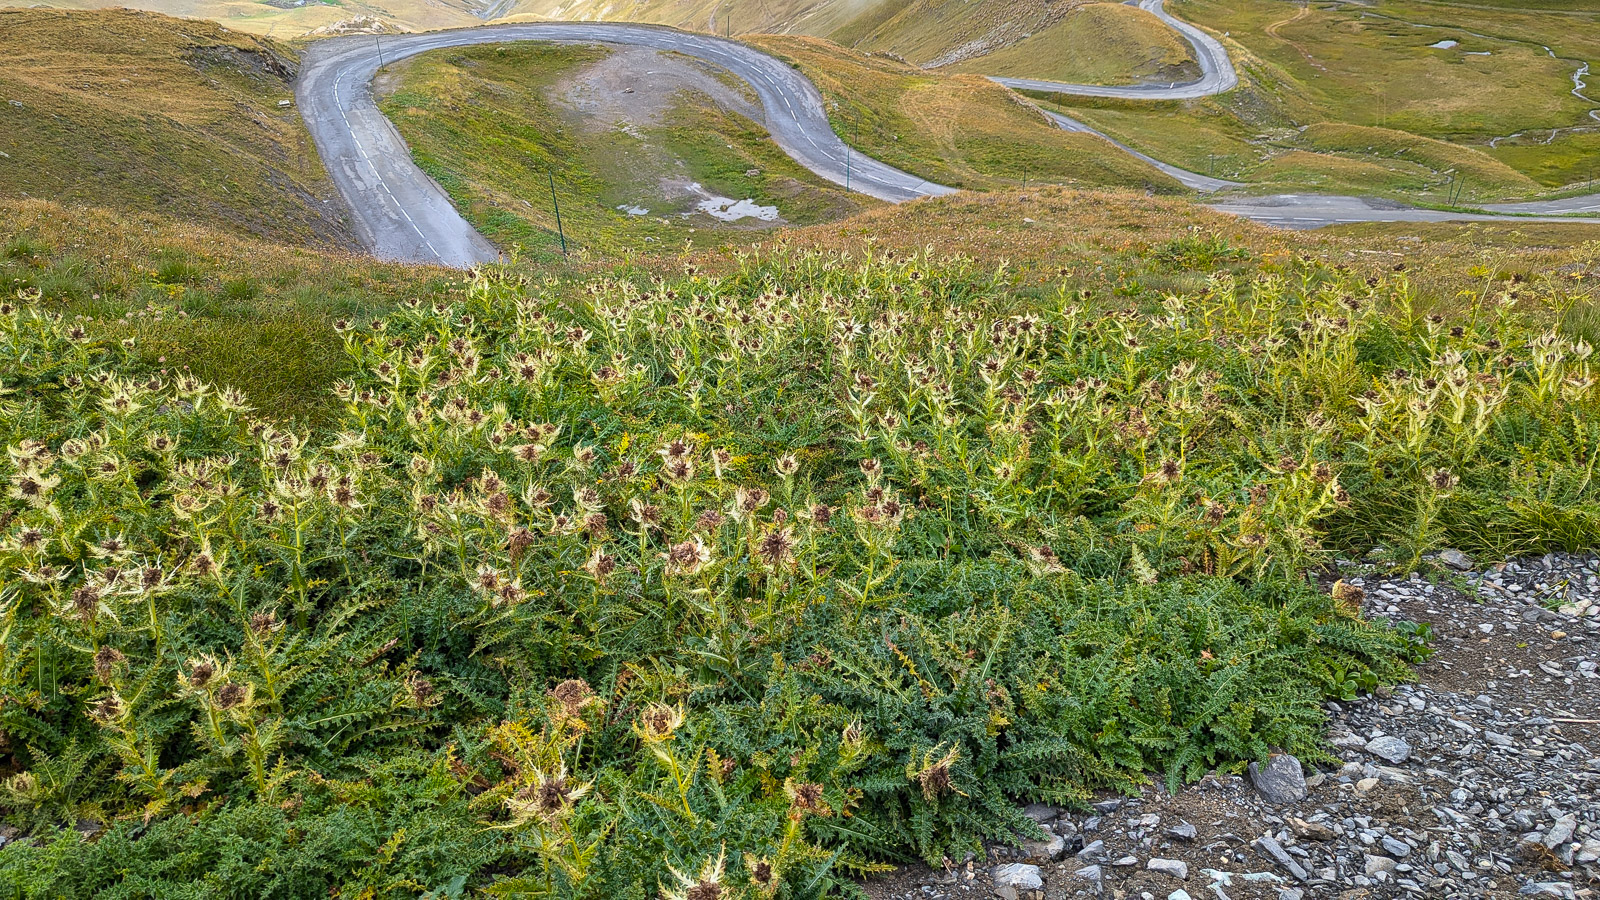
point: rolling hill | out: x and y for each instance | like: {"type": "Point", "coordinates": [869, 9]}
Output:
{"type": "Point", "coordinates": [144, 113]}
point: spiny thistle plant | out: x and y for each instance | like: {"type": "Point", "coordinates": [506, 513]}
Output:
{"type": "Point", "coordinates": [729, 585]}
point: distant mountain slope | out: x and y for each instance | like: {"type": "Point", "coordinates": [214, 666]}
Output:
{"type": "Point", "coordinates": [144, 113]}
{"type": "Point", "coordinates": [1065, 39]}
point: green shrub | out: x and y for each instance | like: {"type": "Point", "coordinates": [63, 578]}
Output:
{"type": "Point", "coordinates": [615, 587]}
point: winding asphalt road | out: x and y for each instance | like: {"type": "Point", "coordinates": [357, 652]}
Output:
{"type": "Point", "coordinates": [403, 215]}
{"type": "Point", "coordinates": [1217, 74]}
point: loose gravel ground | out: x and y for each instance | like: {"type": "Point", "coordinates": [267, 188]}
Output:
{"type": "Point", "coordinates": [1482, 779]}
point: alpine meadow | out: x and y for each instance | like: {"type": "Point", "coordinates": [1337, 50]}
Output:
{"type": "Point", "coordinates": [833, 474]}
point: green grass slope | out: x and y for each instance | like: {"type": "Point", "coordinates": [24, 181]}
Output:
{"type": "Point", "coordinates": [1097, 43]}
{"type": "Point", "coordinates": [494, 125]}
{"type": "Point", "coordinates": [1501, 97]}
{"type": "Point", "coordinates": [145, 113]}
{"type": "Point", "coordinates": [960, 130]}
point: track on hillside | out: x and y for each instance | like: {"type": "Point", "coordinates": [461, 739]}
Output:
{"type": "Point", "coordinates": [401, 214]}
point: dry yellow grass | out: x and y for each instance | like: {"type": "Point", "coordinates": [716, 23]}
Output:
{"type": "Point", "coordinates": [288, 21]}
{"type": "Point", "coordinates": [1097, 43]}
{"type": "Point", "coordinates": [139, 112]}
{"type": "Point", "coordinates": [960, 130]}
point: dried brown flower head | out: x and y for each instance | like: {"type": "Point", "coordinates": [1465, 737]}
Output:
{"type": "Point", "coordinates": [572, 696]}
{"type": "Point", "coordinates": [230, 695]}
{"type": "Point", "coordinates": [106, 660]}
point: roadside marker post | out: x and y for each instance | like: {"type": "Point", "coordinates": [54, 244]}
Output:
{"type": "Point", "coordinates": [557, 204]}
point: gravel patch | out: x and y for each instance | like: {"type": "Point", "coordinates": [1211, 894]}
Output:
{"type": "Point", "coordinates": [1480, 780]}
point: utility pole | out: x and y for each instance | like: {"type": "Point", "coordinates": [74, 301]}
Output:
{"type": "Point", "coordinates": [377, 38]}
{"type": "Point", "coordinates": [557, 204]}
{"type": "Point", "coordinates": [855, 135]}
{"type": "Point", "coordinates": [847, 165]}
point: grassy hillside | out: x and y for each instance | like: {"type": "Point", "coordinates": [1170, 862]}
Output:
{"type": "Point", "coordinates": [1502, 93]}
{"type": "Point", "coordinates": [961, 130]}
{"type": "Point", "coordinates": [494, 124]}
{"type": "Point", "coordinates": [1096, 43]}
{"type": "Point", "coordinates": [252, 314]}
{"type": "Point", "coordinates": [1105, 43]}
{"type": "Point", "coordinates": [1073, 40]}
{"type": "Point", "coordinates": [286, 19]}
{"type": "Point", "coordinates": [145, 113]}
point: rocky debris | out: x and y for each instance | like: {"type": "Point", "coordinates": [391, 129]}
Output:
{"type": "Point", "coordinates": [1390, 748]}
{"type": "Point", "coordinates": [1496, 793]}
{"type": "Point", "coordinates": [1281, 780]}
{"type": "Point", "coordinates": [1018, 881]}
{"type": "Point", "coordinates": [1048, 850]}
{"type": "Point", "coordinates": [1176, 868]}
{"type": "Point", "coordinates": [1455, 559]}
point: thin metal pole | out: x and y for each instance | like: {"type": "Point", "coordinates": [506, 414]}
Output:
{"type": "Point", "coordinates": [378, 39]}
{"type": "Point", "coordinates": [855, 135]}
{"type": "Point", "coordinates": [557, 204]}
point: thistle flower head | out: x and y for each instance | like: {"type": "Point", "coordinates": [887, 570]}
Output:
{"type": "Point", "coordinates": [935, 775]}
{"type": "Point", "coordinates": [233, 694]}
{"type": "Point", "coordinates": [547, 798]}
{"type": "Point", "coordinates": [659, 722]}
{"type": "Point", "coordinates": [106, 661]}
{"type": "Point", "coordinates": [573, 696]}
{"type": "Point", "coordinates": [1442, 480]}
{"type": "Point", "coordinates": [706, 885]}
{"type": "Point", "coordinates": [203, 671]}
{"type": "Point", "coordinates": [776, 548]}
{"type": "Point", "coordinates": [600, 564]}
{"type": "Point", "coordinates": [805, 798]}
{"type": "Point", "coordinates": [747, 502]}
{"type": "Point", "coordinates": [688, 557]}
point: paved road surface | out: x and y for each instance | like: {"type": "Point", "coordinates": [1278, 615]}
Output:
{"type": "Point", "coordinates": [1302, 211]}
{"type": "Point", "coordinates": [403, 215]}
{"type": "Point", "coordinates": [1217, 74]}
{"type": "Point", "coordinates": [1193, 180]}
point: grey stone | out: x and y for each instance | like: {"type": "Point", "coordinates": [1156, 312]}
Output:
{"type": "Point", "coordinates": [1275, 852]}
{"type": "Point", "coordinates": [1389, 748]}
{"type": "Point", "coordinates": [1175, 867]}
{"type": "Point", "coordinates": [1041, 814]}
{"type": "Point", "coordinates": [1047, 850]}
{"type": "Point", "coordinates": [1561, 832]}
{"type": "Point", "coordinates": [1183, 831]}
{"type": "Point", "coordinates": [1018, 881]}
{"type": "Point", "coordinates": [1095, 850]}
{"type": "Point", "coordinates": [1373, 864]}
{"type": "Point", "coordinates": [1455, 559]}
{"type": "Point", "coordinates": [1091, 873]}
{"type": "Point", "coordinates": [1396, 848]}
{"type": "Point", "coordinates": [1281, 780]}
{"type": "Point", "coordinates": [1547, 889]}
{"type": "Point", "coordinates": [1590, 852]}
{"type": "Point", "coordinates": [1179, 894]}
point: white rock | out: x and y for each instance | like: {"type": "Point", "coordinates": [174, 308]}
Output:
{"type": "Point", "coordinates": [1018, 881]}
